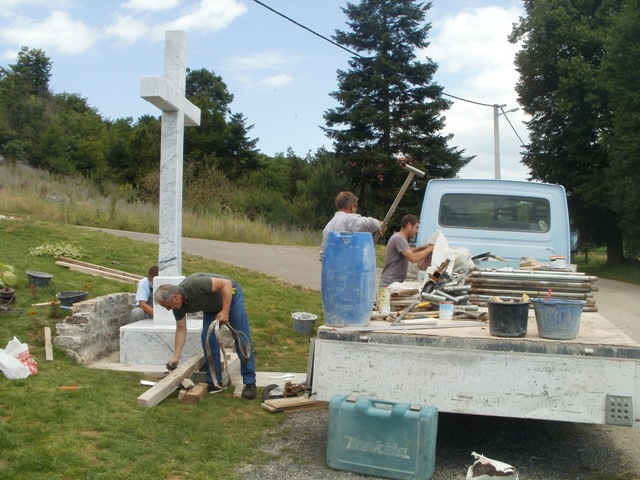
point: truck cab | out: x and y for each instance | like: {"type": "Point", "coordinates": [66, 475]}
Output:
{"type": "Point", "coordinates": [510, 219]}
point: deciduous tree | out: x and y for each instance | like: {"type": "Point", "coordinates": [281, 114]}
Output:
{"type": "Point", "coordinates": [562, 87]}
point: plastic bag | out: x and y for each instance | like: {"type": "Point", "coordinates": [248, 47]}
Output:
{"type": "Point", "coordinates": [12, 368]}
{"type": "Point", "coordinates": [20, 350]}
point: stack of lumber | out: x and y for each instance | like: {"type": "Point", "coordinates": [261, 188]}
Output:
{"type": "Point", "coordinates": [98, 271]}
{"type": "Point", "coordinates": [564, 284]}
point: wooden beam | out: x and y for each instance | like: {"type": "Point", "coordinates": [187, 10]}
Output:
{"type": "Point", "coordinates": [195, 394]}
{"type": "Point", "coordinates": [171, 382]}
{"type": "Point", "coordinates": [48, 350]}
{"type": "Point", "coordinates": [97, 273]}
{"type": "Point", "coordinates": [101, 268]}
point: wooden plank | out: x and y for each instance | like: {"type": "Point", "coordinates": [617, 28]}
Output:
{"type": "Point", "coordinates": [168, 384]}
{"type": "Point", "coordinates": [101, 268]}
{"type": "Point", "coordinates": [48, 350]}
{"type": "Point", "coordinates": [294, 403]}
{"type": "Point", "coordinates": [97, 273]}
{"type": "Point", "coordinates": [269, 408]}
{"type": "Point", "coordinates": [45, 304]}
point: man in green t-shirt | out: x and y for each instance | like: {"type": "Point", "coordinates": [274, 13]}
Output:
{"type": "Point", "coordinates": [218, 298]}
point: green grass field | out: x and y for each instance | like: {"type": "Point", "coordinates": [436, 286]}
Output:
{"type": "Point", "coordinates": [98, 431]}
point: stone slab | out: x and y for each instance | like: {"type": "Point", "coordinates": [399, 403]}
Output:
{"type": "Point", "coordinates": [146, 343]}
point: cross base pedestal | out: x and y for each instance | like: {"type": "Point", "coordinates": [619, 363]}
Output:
{"type": "Point", "coordinates": [146, 343]}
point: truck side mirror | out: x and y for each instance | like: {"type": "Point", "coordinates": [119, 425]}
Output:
{"type": "Point", "coordinates": [574, 242]}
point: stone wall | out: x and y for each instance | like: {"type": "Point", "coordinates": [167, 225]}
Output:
{"type": "Point", "coordinates": [92, 331]}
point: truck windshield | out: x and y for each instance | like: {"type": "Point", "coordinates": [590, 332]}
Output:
{"type": "Point", "coordinates": [494, 212]}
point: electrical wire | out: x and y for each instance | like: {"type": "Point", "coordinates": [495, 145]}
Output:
{"type": "Point", "coordinates": [360, 56]}
{"type": "Point", "coordinates": [522, 144]}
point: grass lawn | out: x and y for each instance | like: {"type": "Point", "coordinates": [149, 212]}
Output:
{"type": "Point", "coordinates": [97, 431]}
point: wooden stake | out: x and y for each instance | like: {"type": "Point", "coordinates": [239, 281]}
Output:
{"type": "Point", "coordinates": [48, 350]}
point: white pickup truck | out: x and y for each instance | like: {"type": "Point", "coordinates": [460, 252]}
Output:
{"type": "Point", "coordinates": [594, 378]}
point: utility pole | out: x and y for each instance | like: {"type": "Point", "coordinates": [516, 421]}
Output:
{"type": "Point", "coordinates": [496, 136]}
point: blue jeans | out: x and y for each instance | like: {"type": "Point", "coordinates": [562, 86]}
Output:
{"type": "Point", "coordinates": [239, 321]}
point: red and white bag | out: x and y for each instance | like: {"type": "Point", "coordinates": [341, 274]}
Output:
{"type": "Point", "coordinates": [20, 350]}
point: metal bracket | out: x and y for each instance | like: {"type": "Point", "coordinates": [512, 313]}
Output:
{"type": "Point", "coordinates": [619, 410]}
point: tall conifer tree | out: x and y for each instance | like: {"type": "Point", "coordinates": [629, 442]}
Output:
{"type": "Point", "coordinates": [390, 109]}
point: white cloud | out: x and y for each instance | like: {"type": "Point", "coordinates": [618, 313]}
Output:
{"type": "Point", "coordinates": [475, 58]}
{"type": "Point", "coordinates": [57, 32]}
{"type": "Point", "coordinates": [267, 83]}
{"type": "Point", "coordinates": [208, 15]}
{"type": "Point", "coordinates": [258, 61]}
{"type": "Point", "coordinates": [152, 5]}
{"type": "Point", "coordinates": [128, 29]}
{"type": "Point", "coordinates": [475, 40]}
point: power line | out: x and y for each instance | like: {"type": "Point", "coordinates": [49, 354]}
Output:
{"type": "Point", "coordinates": [360, 56]}
{"type": "Point", "coordinates": [465, 100]}
{"type": "Point", "coordinates": [308, 29]}
{"type": "Point", "coordinates": [512, 127]}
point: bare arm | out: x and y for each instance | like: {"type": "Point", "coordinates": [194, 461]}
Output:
{"type": "Point", "coordinates": [180, 339]}
{"type": "Point", "coordinates": [146, 308]}
{"type": "Point", "coordinates": [418, 254]}
{"type": "Point", "coordinates": [225, 286]}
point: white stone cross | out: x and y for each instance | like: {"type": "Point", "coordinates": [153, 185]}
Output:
{"type": "Point", "coordinates": [168, 94]}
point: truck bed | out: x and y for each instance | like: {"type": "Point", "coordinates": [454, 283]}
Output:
{"type": "Point", "coordinates": [594, 378]}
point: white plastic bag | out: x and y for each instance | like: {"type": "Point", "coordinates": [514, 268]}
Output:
{"type": "Point", "coordinates": [20, 351]}
{"type": "Point", "coordinates": [12, 368]}
{"type": "Point", "coordinates": [487, 469]}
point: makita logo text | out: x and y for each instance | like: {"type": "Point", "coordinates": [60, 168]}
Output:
{"type": "Point", "coordinates": [377, 448]}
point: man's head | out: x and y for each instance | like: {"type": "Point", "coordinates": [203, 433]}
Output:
{"type": "Point", "coordinates": [346, 202]}
{"type": "Point", "coordinates": [409, 225]}
{"type": "Point", "coordinates": [169, 296]}
{"type": "Point", "coordinates": [152, 272]}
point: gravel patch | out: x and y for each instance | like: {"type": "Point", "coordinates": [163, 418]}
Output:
{"type": "Point", "coordinates": [540, 450]}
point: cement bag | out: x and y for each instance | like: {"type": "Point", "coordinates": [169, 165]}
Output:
{"type": "Point", "coordinates": [441, 251]}
{"type": "Point", "coordinates": [487, 469]}
{"type": "Point", "coordinates": [12, 368]}
{"type": "Point", "coordinates": [20, 350]}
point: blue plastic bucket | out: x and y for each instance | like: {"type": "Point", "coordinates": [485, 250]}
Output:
{"type": "Point", "coordinates": [558, 319]}
{"type": "Point", "coordinates": [348, 283]}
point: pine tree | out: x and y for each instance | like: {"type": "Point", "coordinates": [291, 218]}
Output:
{"type": "Point", "coordinates": [390, 109]}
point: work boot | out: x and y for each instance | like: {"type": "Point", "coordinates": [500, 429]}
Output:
{"type": "Point", "coordinates": [249, 391]}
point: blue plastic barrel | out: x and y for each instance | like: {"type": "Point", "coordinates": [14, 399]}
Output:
{"type": "Point", "coordinates": [348, 283]}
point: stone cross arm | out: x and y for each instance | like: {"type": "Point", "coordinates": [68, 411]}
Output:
{"type": "Point", "coordinates": [158, 92]}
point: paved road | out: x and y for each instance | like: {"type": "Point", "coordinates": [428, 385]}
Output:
{"type": "Point", "coordinates": [618, 301]}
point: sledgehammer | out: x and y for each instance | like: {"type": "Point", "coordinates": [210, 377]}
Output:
{"type": "Point", "coordinates": [412, 172]}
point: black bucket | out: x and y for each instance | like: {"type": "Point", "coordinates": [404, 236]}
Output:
{"type": "Point", "coordinates": [508, 319]}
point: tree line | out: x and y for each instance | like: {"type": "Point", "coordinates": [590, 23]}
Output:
{"type": "Point", "coordinates": [578, 69]}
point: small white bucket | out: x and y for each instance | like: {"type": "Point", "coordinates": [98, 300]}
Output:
{"type": "Point", "coordinates": [558, 261]}
{"type": "Point", "coordinates": [303, 322]}
{"type": "Point", "coordinates": [446, 311]}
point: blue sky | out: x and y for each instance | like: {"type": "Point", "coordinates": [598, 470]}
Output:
{"type": "Point", "coordinates": [280, 75]}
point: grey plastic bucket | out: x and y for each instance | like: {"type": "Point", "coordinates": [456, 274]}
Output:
{"type": "Point", "coordinates": [38, 279]}
{"type": "Point", "coordinates": [558, 319]}
{"type": "Point", "coordinates": [303, 322]}
{"type": "Point", "coordinates": [508, 319]}
{"type": "Point", "coordinates": [69, 297]}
